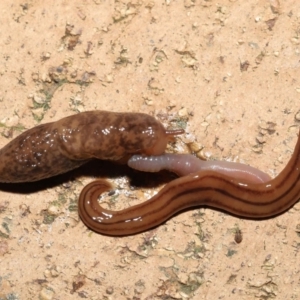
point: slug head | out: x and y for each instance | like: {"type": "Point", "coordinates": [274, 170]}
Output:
{"type": "Point", "coordinates": [160, 140]}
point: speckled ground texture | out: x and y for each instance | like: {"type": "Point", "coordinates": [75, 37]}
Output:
{"type": "Point", "coordinates": [226, 71]}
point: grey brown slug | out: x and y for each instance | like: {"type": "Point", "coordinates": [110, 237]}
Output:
{"type": "Point", "coordinates": [54, 148]}
{"type": "Point", "coordinates": [240, 197]}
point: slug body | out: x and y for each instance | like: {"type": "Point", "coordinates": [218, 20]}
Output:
{"type": "Point", "coordinates": [54, 148]}
{"type": "Point", "coordinates": [242, 198]}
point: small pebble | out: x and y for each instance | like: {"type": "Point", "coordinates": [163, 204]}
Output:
{"type": "Point", "coordinates": [46, 294]}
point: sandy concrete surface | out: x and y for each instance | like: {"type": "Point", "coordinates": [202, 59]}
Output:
{"type": "Point", "coordinates": [226, 71]}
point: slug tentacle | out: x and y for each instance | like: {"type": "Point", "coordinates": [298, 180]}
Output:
{"type": "Point", "coordinates": [173, 132]}
{"type": "Point", "coordinates": [242, 198]}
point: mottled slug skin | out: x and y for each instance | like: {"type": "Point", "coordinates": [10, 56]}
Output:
{"type": "Point", "coordinates": [54, 148]}
{"type": "Point", "coordinates": [34, 155]}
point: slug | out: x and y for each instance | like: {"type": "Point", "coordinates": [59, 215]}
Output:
{"type": "Point", "coordinates": [209, 188]}
{"type": "Point", "coordinates": [184, 164]}
{"type": "Point", "coordinates": [54, 148]}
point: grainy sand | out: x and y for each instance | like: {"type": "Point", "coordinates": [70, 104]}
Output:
{"type": "Point", "coordinates": [228, 71]}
